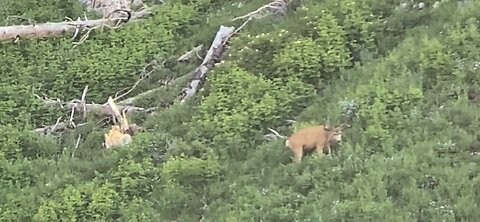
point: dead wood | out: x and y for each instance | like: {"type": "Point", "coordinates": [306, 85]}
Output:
{"type": "Point", "coordinates": [163, 84]}
{"type": "Point", "coordinates": [59, 28]}
{"type": "Point", "coordinates": [98, 109]}
{"type": "Point", "coordinates": [188, 55]}
{"type": "Point", "coordinates": [152, 65]}
{"type": "Point", "coordinates": [222, 37]}
{"type": "Point", "coordinates": [62, 126]}
{"type": "Point", "coordinates": [274, 7]}
{"type": "Point", "coordinates": [110, 109]}
{"type": "Point", "coordinates": [105, 7]}
{"type": "Point", "coordinates": [59, 126]}
{"type": "Point", "coordinates": [212, 57]}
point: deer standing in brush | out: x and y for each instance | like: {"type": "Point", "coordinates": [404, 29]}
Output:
{"type": "Point", "coordinates": [318, 138]}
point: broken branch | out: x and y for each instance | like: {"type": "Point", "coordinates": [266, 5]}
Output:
{"type": "Point", "coordinates": [99, 109]}
{"type": "Point", "coordinates": [144, 74]}
{"type": "Point", "coordinates": [274, 7]}
{"type": "Point", "coordinates": [188, 55]}
{"type": "Point", "coordinates": [47, 130]}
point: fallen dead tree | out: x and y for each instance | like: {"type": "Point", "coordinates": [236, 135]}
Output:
{"type": "Point", "coordinates": [221, 38]}
{"type": "Point", "coordinates": [98, 109]}
{"type": "Point", "coordinates": [79, 106]}
{"type": "Point", "coordinates": [16, 32]}
{"type": "Point", "coordinates": [212, 57]}
{"type": "Point", "coordinates": [119, 134]}
{"type": "Point", "coordinates": [199, 74]}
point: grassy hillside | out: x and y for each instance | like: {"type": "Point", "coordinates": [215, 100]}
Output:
{"type": "Point", "coordinates": [408, 76]}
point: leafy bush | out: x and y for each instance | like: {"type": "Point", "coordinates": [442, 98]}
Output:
{"type": "Point", "coordinates": [240, 103]}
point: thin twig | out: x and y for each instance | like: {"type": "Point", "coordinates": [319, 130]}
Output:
{"type": "Point", "coordinates": [83, 102]}
{"type": "Point", "coordinates": [71, 117]}
{"type": "Point", "coordinates": [270, 8]}
{"type": "Point", "coordinates": [142, 77]}
{"type": "Point", "coordinates": [56, 124]}
{"type": "Point", "coordinates": [76, 145]}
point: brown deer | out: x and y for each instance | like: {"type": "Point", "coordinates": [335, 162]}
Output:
{"type": "Point", "coordinates": [318, 138]}
{"type": "Point", "coordinates": [119, 134]}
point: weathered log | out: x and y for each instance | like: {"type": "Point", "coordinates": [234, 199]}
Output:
{"type": "Point", "coordinates": [59, 28]}
{"type": "Point", "coordinates": [212, 57]}
{"type": "Point", "coordinates": [109, 109]}
{"type": "Point", "coordinates": [99, 109]}
{"type": "Point", "coordinates": [62, 126]}
{"type": "Point", "coordinates": [59, 126]}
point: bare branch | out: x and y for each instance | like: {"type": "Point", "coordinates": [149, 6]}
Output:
{"type": "Point", "coordinates": [276, 133]}
{"type": "Point", "coordinates": [188, 55]}
{"type": "Point", "coordinates": [76, 145]}
{"type": "Point", "coordinates": [71, 117]}
{"type": "Point", "coordinates": [83, 102]}
{"type": "Point", "coordinates": [81, 108]}
{"type": "Point", "coordinates": [144, 75]}
{"type": "Point", "coordinates": [56, 124]}
{"type": "Point", "coordinates": [165, 83]}
{"type": "Point", "coordinates": [290, 121]}
{"type": "Point", "coordinates": [47, 130]}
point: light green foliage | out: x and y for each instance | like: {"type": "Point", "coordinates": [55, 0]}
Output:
{"type": "Point", "coordinates": [359, 21]}
{"type": "Point", "coordinates": [240, 103]}
{"type": "Point", "coordinates": [189, 171]}
{"type": "Point", "coordinates": [19, 106]}
{"type": "Point", "coordinates": [134, 179]}
{"type": "Point", "coordinates": [463, 43]}
{"type": "Point", "coordinates": [107, 62]}
{"type": "Point", "coordinates": [255, 53]}
{"type": "Point", "coordinates": [17, 144]}
{"type": "Point", "coordinates": [84, 202]}
{"type": "Point", "coordinates": [185, 183]}
{"type": "Point", "coordinates": [436, 64]}
{"type": "Point", "coordinates": [318, 56]}
{"type": "Point", "coordinates": [39, 11]}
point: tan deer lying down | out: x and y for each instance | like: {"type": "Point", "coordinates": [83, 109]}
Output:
{"type": "Point", "coordinates": [317, 138]}
{"type": "Point", "coordinates": [119, 135]}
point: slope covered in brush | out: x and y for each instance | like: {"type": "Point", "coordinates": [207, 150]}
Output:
{"type": "Point", "coordinates": [407, 75]}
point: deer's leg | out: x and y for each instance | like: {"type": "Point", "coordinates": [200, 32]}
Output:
{"type": "Point", "coordinates": [329, 151]}
{"type": "Point", "coordinates": [319, 151]}
{"type": "Point", "coordinates": [297, 153]}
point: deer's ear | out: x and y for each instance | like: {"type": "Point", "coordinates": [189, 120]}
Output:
{"type": "Point", "coordinates": [327, 128]}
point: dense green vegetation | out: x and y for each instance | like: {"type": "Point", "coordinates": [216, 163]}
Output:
{"type": "Point", "coordinates": [409, 155]}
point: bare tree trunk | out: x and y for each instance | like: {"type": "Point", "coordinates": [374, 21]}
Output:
{"type": "Point", "coordinates": [99, 109]}
{"type": "Point", "coordinates": [59, 28]}
{"type": "Point", "coordinates": [212, 57]}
